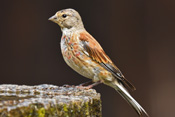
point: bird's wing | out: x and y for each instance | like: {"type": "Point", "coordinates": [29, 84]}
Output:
{"type": "Point", "coordinates": [95, 51]}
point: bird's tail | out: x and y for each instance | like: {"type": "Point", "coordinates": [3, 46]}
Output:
{"type": "Point", "coordinates": [125, 94]}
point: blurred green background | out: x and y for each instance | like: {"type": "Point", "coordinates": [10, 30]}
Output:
{"type": "Point", "coordinates": [138, 35]}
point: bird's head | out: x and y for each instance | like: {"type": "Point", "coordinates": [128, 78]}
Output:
{"type": "Point", "coordinates": [67, 18]}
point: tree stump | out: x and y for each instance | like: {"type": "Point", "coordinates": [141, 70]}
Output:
{"type": "Point", "coordinates": [48, 100]}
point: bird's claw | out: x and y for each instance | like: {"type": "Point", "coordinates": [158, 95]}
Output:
{"type": "Point", "coordinates": [68, 86]}
{"type": "Point", "coordinates": [84, 87]}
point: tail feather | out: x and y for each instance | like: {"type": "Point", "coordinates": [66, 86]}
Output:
{"type": "Point", "coordinates": [125, 94]}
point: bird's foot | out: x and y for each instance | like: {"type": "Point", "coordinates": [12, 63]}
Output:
{"type": "Point", "coordinates": [84, 87]}
{"type": "Point", "coordinates": [68, 86]}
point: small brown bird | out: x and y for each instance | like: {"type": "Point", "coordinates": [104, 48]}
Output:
{"type": "Point", "coordinates": [85, 55]}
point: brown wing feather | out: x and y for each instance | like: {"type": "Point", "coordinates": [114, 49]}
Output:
{"type": "Point", "coordinates": [93, 48]}
{"type": "Point", "coordinates": [96, 52]}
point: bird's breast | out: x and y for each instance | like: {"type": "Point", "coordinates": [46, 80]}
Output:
{"type": "Point", "coordinates": [73, 55]}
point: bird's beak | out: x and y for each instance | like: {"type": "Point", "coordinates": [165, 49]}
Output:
{"type": "Point", "coordinates": [53, 18]}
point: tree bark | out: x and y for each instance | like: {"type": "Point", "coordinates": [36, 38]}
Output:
{"type": "Point", "coordinates": [48, 100]}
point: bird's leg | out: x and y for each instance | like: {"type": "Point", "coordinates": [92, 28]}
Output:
{"type": "Point", "coordinates": [94, 84]}
{"type": "Point", "coordinates": [89, 86]}
{"type": "Point", "coordinates": [86, 83]}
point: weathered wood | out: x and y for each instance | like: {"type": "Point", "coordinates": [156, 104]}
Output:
{"type": "Point", "coordinates": [48, 100]}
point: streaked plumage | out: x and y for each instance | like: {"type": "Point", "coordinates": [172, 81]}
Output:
{"type": "Point", "coordinates": [85, 55]}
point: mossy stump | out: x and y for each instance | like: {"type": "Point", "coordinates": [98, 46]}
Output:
{"type": "Point", "coordinates": [48, 101]}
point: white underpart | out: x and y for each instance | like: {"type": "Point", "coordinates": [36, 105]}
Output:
{"type": "Point", "coordinates": [66, 31]}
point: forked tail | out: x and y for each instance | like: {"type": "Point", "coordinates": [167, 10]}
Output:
{"type": "Point", "coordinates": [125, 94]}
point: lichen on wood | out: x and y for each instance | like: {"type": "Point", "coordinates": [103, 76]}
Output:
{"type": "Point", "coordinates": [48, 100]}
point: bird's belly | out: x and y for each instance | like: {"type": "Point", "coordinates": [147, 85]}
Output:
{"type": "Point", "coordinates": [88, 68]}
{"type": "Point", "coordinates": [79, 66]}
{"type": "Point", "coordinates": [83, 64]}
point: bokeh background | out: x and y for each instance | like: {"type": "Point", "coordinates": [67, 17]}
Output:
{"type": "Point", "coordinates": [138, 35]}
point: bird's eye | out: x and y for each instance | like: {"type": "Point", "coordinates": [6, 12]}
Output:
{"type": "Point", "coordinates": [64, 15]}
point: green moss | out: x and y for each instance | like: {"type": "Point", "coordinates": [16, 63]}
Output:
{"type": "Point", "coordinates": [41, 112]}
{"type": "Point", "coordinates": [65, 109]}
{"type": "Point", "coordinates": [86, 108]}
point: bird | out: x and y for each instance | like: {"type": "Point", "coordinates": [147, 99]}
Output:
{"type": "Point", "coordinates": [84, 54]}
